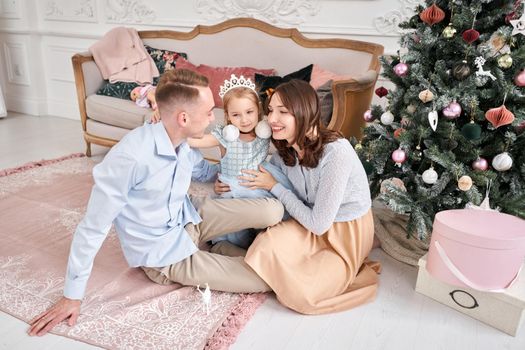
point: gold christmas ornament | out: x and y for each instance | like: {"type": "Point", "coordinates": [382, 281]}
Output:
{"type": "Point", "coordinates": [358, 146]}
{"type": "Point", "coordinates": [505, 61]}
{"type": "Point", "coordinates": [426, 96]}
{"type": "Point", "coordinates": [465, 183]}
{"type": "Point", "coordinates": [449, 31]}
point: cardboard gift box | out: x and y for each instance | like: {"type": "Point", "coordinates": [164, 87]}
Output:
{"type": "Point", "coordinates": [503, 310]}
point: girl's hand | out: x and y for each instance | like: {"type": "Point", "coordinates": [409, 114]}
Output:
{"type": "Point", "coordinates": [220, 187]}
{"type": "Point", "coordinates": [155, 117]}
{"type": "Point", "coordinates": [258, 179]}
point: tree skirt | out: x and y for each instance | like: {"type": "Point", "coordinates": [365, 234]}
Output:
{"type": "Point", "coordinates": [40, 206]}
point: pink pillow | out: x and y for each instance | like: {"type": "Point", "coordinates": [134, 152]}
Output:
{"type": "Point", "coordinates": [320, 76]}
{"type": "Point", "coordinates": [217, 75]}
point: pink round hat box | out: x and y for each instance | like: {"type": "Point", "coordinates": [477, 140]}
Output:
{"type": "Point", "coordinates": [480, 249]}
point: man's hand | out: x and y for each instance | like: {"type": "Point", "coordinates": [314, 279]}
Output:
{"type": "Point", "coordinates": [46, 321]}
{"type": "Point", "coordinates": [221, 187]}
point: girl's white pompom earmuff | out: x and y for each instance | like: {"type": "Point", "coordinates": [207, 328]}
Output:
{"type": "Point", "coordinates": [263, 130]}
{"type": "Point", "coordinates": [230, 133]}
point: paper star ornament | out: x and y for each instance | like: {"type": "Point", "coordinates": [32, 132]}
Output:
{"type": "Point", "coordinates": [519, 24]}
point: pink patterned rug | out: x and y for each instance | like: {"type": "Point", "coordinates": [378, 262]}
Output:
{"type": "Point", "coordinates": [40, 205]}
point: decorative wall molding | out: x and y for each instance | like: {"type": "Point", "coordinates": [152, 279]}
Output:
{"type": "Point", "coordinates": [129, 11]}
{"type": "Point", "coordinates": [280, 12]}
{"type": "Point", "coordinates": [10, 9]}
{"type": "Point", "coordinates": [60, 55]}
{"type": "Point", "coordinates": [75, 11]}
{"type": "Point", "coordinates": [389, 22]}
{"type": "Point", "coordinates": [16, 63]}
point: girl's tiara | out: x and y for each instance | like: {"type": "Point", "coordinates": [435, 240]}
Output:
{"type": "Point", "coordinates": [235, 82]}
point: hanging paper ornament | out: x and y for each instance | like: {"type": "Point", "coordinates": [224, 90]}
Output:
{"type": "Point", "coordinates": [401, 69]}
{"type": "Point", "coordinates": [479, 62]}
{"type": "Point", "coordinates": [411, 109]}
{"type": "Point", "coordinates": [465, 183]}
{"type": "Point", "coordinates": [426, 96]}
{"type": "Point", "coordinates": [519, 24]}
{"type": "Point", "coordinates": [470, 35]}
{"type": "Point", "coordinates": [368, 117]}
{"type": "Point", "coordinates": [398, 132]}
{"type": "Point", "coordinates": [505, 61]}
{"type": "Point", "coordinates": [432, 15]}
{"type": "Point", "coordinates": [449, 31]}
{"type": "Point", "coordinates": [461, 70]}
{"type": "Point", "coordinates": [452, 111]}
{"type": "Point", "coordinates": [430, 176]}
{"type": "Point", "coordinates": [433, 119]}
{"type": "Point", "coordinates": [471, 131]}
{"type": "Point", "coordinates": [387, 118]}
{"type": "Point", "coordinates": [502, 162]}
{"type": "Point", "coordinates": [399, 156]}
{"type": "Point", "coordinates": [519, 79]}
{"type": "Point", "coordinates": [480, 164]}
{"type": "Point", "coordinates": [499, 116]}
{"type": "Point", "coordinates": [381, 91]}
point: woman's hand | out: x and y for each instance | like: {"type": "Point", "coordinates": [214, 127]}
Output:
{"type": "Point", "coordinates": [155, 117]}
{"type": "Point", "coordinates": [220, 187]}
{"type": "Point", "coordinates": [258, 179]}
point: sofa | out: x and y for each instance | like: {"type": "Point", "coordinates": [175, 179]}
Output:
{"type": "Point", "coordinates": [236, 42]}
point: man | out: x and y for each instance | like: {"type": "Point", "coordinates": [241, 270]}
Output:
{"type": "Point", "coordinates": [141, 186]}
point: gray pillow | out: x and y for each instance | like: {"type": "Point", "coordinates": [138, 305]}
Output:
{"type": "Point", "coordinates": [326, 100]}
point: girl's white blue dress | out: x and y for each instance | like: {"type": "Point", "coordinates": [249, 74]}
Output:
{"type": "Point", "coordinates": [241, 155]}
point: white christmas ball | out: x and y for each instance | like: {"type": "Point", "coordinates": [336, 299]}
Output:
{"type": "Point", "coordinates": [502, 162]}
{"type": "Point", "coordinates": [430, 176]}
{"type": "Point", "coordinates": [263, 130]}
{"type": "Point", "coordinates": [230, 133]}
{"type": "Point", "coordinates": [387, 118]}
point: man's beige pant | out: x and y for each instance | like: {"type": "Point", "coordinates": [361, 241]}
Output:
{"type": "Point", "coordinates": [224, 273]}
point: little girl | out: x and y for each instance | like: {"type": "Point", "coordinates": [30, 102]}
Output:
{"type": "Point", "coordinates": [244, 144]}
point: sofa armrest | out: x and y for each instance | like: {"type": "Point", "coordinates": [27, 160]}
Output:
{"type": "Point", "coordinates": [88, 80]}
{"type": "Point", "coordinates": [351, 99]}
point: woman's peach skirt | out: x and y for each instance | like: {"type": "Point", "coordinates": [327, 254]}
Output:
{"type": "Point", "coordinates": [318, 274]}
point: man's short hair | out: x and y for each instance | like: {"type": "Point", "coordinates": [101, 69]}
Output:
{"type": "Point", "coordinates": [177, 87]}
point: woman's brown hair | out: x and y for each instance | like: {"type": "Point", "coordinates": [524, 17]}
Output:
{"type": "Point", "coordinates": [301, 101]}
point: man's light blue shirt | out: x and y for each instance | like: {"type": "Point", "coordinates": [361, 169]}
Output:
{"type": "Point", "coordinates": [140, 186]}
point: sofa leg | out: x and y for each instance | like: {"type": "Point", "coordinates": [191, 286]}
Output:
{"type": "Point", "coordinates": [88, 149]}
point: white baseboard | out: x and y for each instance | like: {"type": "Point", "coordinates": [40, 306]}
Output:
{"type": "Point", "coordinates": [63, 109]}
{"type": "Point", "coordinates": [31, 106]}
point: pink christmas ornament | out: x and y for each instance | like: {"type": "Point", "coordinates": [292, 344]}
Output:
{"type": "Point", "coordinates": [399, 156]}
{"type": "Point", "coordinates": [401, 69]}
{"type": "Point", "coordinates": [519, 80]}
{"type": "Point", "coordinates": [368, 116]}
{"type": "Point", "coordinates": [452, 111]}
{"type": "Point", "coordinates": [480, 164]}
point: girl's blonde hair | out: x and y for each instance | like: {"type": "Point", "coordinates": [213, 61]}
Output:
{"type": "Point", "coordinates": [241, 92]}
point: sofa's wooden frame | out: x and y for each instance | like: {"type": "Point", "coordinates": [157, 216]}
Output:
{"type": "Point", "coordinates": [351, 97]}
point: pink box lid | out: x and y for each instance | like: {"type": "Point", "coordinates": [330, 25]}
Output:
{"type": "Point", "coordinates": [482, 228]}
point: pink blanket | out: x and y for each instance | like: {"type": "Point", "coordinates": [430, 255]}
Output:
{"type": "Point", "coordinates": [40, 206]}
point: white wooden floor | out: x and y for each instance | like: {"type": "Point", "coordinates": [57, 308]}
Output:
{"type": "Point", "coordinates": [398, 319]}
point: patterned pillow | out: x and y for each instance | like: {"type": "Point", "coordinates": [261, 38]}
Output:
{"type": "Point", "coordinates": [163, 59]}
{"type": "Point", "coordinates": [217, 75]}
{"type": "Point", "coordinates": [265, 84]}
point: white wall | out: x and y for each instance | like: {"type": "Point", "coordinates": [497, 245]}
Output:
{"type": "Point", "coordinates": [38, 37]}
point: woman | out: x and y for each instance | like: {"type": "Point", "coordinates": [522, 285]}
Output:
{"type": "Point", "coordinates": [316, 261]}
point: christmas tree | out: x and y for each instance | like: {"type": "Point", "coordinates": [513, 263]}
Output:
{"type": "Point", "coordinates": [451, 132]}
